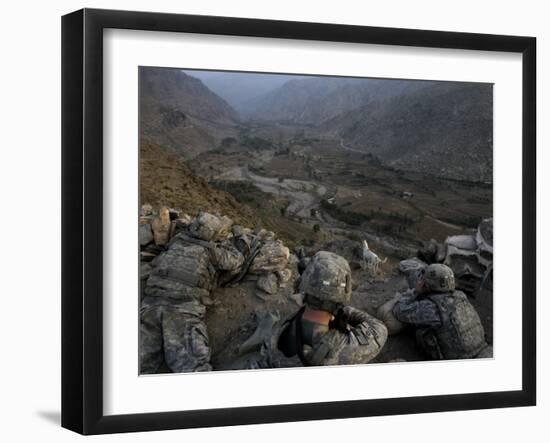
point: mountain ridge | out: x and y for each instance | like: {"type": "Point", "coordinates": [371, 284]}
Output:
{"type": "Point", "coordinates": [178, 111]}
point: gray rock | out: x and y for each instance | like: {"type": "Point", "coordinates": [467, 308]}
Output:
{"type": "Point", "coordinates": [411, 264]}
{"type": "Point", "coordinates": [351, 250]}
{"type": "Point", "coordinates": [161, 227]}
{"type": "Point", "coordinates": [273, 256]}
{"type": "Point", "coordinates": [146, 209]}
{"type": "Point", "coordinates": [145, 235]}
{"type": "Point", "coordinates": [210, 227]}
{"type": "Point", "coordinates": [144, 271]}
{"type": "Point", "coordinates": [467, 242]}
{"type": "Point", "coordinates": [268, 283]}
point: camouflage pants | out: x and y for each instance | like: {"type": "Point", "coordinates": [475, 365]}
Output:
{"type": "Point", "coordinates": [175, 333]}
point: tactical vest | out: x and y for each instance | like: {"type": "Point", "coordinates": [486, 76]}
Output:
{"type": "Point", "coordinates": [183, 271]}
{"type": "Point", "coordinates": [461, 334]}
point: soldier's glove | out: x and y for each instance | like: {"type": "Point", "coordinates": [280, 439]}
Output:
{"type": "Point", "coordinates": [340, 321]}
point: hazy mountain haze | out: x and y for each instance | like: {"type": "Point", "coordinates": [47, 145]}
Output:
{"type": "Point", "coordinates": [241, 89]}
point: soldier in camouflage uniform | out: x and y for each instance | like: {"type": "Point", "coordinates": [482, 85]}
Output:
{"type": "Point", "coordinates": [172, 328]}
{"type": "Point", "coordinates": [447, 325]}
{"type": "Point", "coordinates": [326, 331]}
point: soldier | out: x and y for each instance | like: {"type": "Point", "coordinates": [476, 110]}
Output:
{"type": "Point", "coordinates": [172, 328]}
{"type": "Point", "coordinates": [326, 331]}
{"type": "Point", "coordinates": [447, 325]}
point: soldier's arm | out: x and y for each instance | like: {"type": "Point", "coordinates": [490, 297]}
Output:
{"type": "Point", "coordinates": [417, 312]}
{"type": "Point", "coordinates": [364, 340]}
{"type": "Point", "coordinates": [363, 325]}
{"type": "Point", "coordinates": [355, 316]}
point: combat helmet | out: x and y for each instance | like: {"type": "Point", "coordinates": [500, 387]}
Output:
{"type": "Point", "coordinates": [439, 278]}
{"type": "Point", "coordinates": [326, 282]}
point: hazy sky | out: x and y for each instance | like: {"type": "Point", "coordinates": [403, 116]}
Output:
{"type": "Point", "coordinates": [239, 88]}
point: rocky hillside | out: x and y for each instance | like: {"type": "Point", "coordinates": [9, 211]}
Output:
{"type": "Point", "coordinates": [179, 112]}
{"type": "Point", "coordinates": [166, 181]}
{"type": "Point", "coordinates": [444, 129]}
{"type": "Point", "coordinates": [439, 128]}
{"type": "Point", "coordinates": [314, 100]}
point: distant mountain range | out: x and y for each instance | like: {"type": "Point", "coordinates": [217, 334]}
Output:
{"type": "Point", "coordinates": [314, 100]}
{"type": "Point", "coordinates": [440, 128]}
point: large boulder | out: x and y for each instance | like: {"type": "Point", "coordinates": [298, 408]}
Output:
{"type": "Point", "coordinates": [272, 257]}
{"type": "Point", "coordinates": [471, 257]}
{"type": "Point", "coordinates": [146, 210]}
{"type": "Point", "coordinates": [161, 227]}
{"type": "Point", "coordinates": [210, 227]}
{"type": "Point", "coordinates": [268, 283]}
{"type": "Point", "coordinates": [431, 252]}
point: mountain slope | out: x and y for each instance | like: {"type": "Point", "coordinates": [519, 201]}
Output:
{"type": "Point", "coordinates": [166, 181]}
{"type": "Point", "coordinates": [314, 100]}
{"type": "Point", "coordinates": [178, 111]}
{"type": "Point", "coordinates": [444, 129]}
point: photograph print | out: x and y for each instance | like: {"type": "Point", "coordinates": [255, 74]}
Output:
{"type": "Point", "coordinates": [294, 220]}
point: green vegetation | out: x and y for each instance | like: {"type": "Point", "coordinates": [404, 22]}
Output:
{"type": "Point", "coordinates": [349, 217]}
{"type": "Point", "coordinates": [227, 142]}
{"type": "Point", "coordinates": [269, 212]}
{"type": "Point", "coordinates": [244, 192]}
{"type": "Point", "coordinates": [257, 143]}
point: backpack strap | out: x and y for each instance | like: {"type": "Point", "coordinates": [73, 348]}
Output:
{"type": "Point", "coordinates": [318, 355]}
{"type": "Point", "coordinates": [299, 341]}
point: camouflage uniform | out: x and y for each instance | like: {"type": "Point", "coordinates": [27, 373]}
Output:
{"type": "Point", "coordinates": [173, 332]}
{"type": "Point", "coordinates": [353, 337]}
{"type": "Point", "coordinates": [358, 342]}
{"type": "Point", "coordinates": [172, 328]}
{"type": "Point", "coordinates": [447, 325]}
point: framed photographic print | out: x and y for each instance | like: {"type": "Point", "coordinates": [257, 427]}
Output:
{"type": "Point", "coordinates": [269, 221]}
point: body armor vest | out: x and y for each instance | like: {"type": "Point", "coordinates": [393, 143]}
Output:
{"type": "Point", "coordinates": [461, 333]}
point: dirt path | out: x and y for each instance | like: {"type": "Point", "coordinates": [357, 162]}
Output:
{"type": "Point", "coordinates": [303, 195]}
{"type": "Point", "coordinates": [446, 224]}
{"type": "Point", "coordinates": [347, 148]}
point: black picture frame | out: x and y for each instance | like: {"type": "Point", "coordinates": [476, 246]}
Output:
{"type": "Point", "coordinates": [82, 217]}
